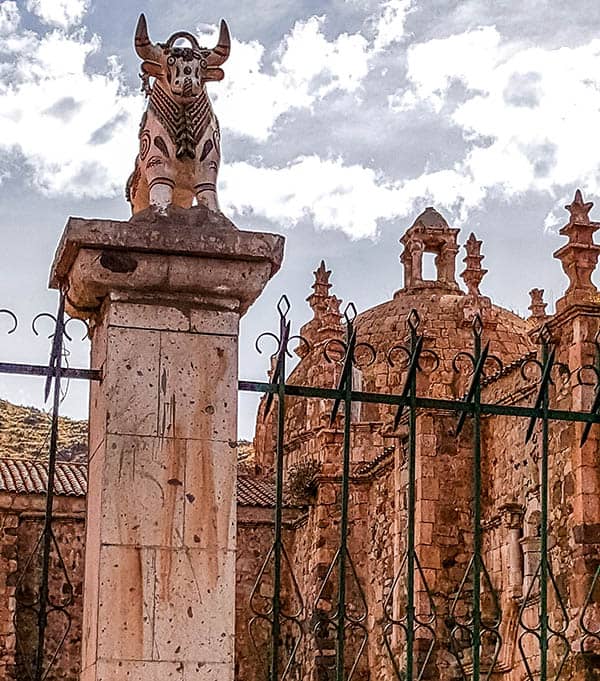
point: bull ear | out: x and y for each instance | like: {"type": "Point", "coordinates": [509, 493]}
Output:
{"type": "Point", "coordinates": [152, 68]}
{"type": "Point", "coordinates": [213, 74]}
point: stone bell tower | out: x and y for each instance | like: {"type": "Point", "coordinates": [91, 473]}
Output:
{"type": "Point", "coordinates": [164, 293]}
{"type": "Point", "coordinates": [430, 233]}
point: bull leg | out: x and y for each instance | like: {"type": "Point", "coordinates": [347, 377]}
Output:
{"type": "Point", "coordinates": [161, 192]}
{"type": "Point", "coordinates": [206, 195]}
{"type": "Point", "coordinates": [207, 169]}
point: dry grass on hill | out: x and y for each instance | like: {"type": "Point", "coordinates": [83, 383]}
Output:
{"type": "Point", "coordinates": [25, 434]}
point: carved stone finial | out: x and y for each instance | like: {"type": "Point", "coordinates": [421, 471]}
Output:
{"type": "Point", "coordinates": [473, 273]}
{"type": "Point", "coordinates": [180, 148]}
{"type": "Point", "coordinates": [321, 286]}
{"type": "Point", "coordinates": [580, 255]}
{"type": "Point", "coordinates": [538, 306]}
{"type": "Point", "coordinates": [579, 210]}
{"type": "Point", "coordinates": [326, 322]}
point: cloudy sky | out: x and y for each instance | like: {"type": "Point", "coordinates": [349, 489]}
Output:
{"type": "Point", "coordinates": [341, 121]}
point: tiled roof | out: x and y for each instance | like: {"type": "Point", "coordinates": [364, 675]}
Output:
{"type": "Point", "coordinates": [24, 476]}
{"type": "Point", "coordinates": [255, 492]}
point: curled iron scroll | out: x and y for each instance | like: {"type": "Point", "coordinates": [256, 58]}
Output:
{"type": "Point", "coordinates": [471, 364]}
{"type": "Point", "coordinates": [354, 613]}
{"type": "Point", "coordinates": [534, 630]}
{"type": "Point", "coordinates": [462, 627]}
{"type": "Point", "coordinates": [586, 379]}
{"type": "Point", "coordinates": [72, 320]}
{"type": "Point", "coordinates": [560, 374]}
{"type": "Point", "coordinates": [424, 622]}
{"type": "Point", "coordinates": [13, 317]}
{"type": "Point", "coordinates": [431, 359]}
{"type": "Point", "coordinates": [356, 361]}
{"type": "Point", "coordinates": [591, 633]}
{"type": "Point", "coordinates": [283, 308]}
{"type": "Point", "coordinates": [53, 318]}
{"type": "Point", "coordinates": [270, 334]}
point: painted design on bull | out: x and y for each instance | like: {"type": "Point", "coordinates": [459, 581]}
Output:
{"type": "Point", "coordinates": [154, 161]}
{"type": "Point", "coordinates": [144, 144]}
{"type": "Point", "coordinates": [180, 120]}
{"type": "Point", "coordinates": [161, 145]}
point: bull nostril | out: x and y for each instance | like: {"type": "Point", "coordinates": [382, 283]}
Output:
{"type": "Point", "coordinates": [187, 70]}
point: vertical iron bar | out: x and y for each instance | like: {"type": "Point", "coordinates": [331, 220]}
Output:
{"type": "Point", "coordinates": [276, 625]}
{"type": "Point", "coordinates": [341, 609]}
{"type": "Point", "coordinates": [476, 643]}
{"type": "Point", "coordinates": [410, 531]}
{"type": "Point", "coordinates": [544, 528]}
{"type": "Point", "coordinates": [56, 361]}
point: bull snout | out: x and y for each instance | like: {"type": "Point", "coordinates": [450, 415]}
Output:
{"type": "Point", "coordinates": [188, 87]}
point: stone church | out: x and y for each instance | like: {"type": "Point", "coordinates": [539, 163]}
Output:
{"type": "Point", "coordinates": [510, 482]}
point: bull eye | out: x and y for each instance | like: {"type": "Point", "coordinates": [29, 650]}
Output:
{"type": "Point", "coordinates": [187, 70]}
{"type": "Point", "coordinates": [171, 61]}
{"type": "Point", "coordinates": [203, 64]}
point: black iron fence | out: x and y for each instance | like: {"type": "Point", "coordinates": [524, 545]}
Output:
{"type": "Point", "coordinates": [38, 605]}
{"type": "Point", "coordinates": [409, 634]}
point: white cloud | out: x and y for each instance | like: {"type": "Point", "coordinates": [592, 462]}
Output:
{"type": "Point", "coordinates": [391, 25]}
{"type": "Point", "coordinates": [9, 17]}
{"type": "Point", "coordinates": [62, 13]}
{"type": "Point", "coordinates": [336, 196]}
{"type": "Point", "coordinates": [332, 194]}
{"type": "Point", "coordinates": [50, 109]}
{"type": "Point", "coordinates": [528, 114]}
{"type": "Point", "coordinates": [307, 67]}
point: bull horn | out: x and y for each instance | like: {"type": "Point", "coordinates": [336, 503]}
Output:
{"type": "Point", "coordinates": [143, 46]}
{"type": "Point", "coordinates": [220, 53]}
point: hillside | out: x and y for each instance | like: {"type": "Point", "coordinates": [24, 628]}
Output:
{"type": "Point", "coordinates": [25, 434]}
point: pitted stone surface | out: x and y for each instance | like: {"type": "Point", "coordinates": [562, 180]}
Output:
{"type": "Point", "coordinates": [165, 295]}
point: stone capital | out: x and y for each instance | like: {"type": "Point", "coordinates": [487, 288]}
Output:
{"type": "Point", "coordinates": [193, 257]}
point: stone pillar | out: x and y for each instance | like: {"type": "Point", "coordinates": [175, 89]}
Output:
{"type": "Point", "coordinates": [576, 326]}
{"type": "Point", "coordinates": [513, 559]}
{"type": "Point", "coordinates": [164, 295]}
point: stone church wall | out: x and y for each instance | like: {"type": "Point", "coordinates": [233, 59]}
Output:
{"type": "Point", "coordinates": [21, 522]}
{"type": "Point", "coordinates": [255, 538]}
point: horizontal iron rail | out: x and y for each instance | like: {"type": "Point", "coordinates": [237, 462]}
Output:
{"type": "Point", "coordinates": [421, 402]}
{"type": "Point", "coordinates": [42, 370]}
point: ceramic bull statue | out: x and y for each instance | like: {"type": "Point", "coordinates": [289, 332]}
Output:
{"type": "Point", "coordinates": [179, 134]}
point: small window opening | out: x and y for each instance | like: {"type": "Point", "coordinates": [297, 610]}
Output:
{"type": "Point", "coordinates": [429, 267]}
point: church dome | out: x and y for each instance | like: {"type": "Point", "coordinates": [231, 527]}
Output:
{"type": "Point", "coordinates": [445, 313]}
{"type": "Point", "coordinates": [446, 317]}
